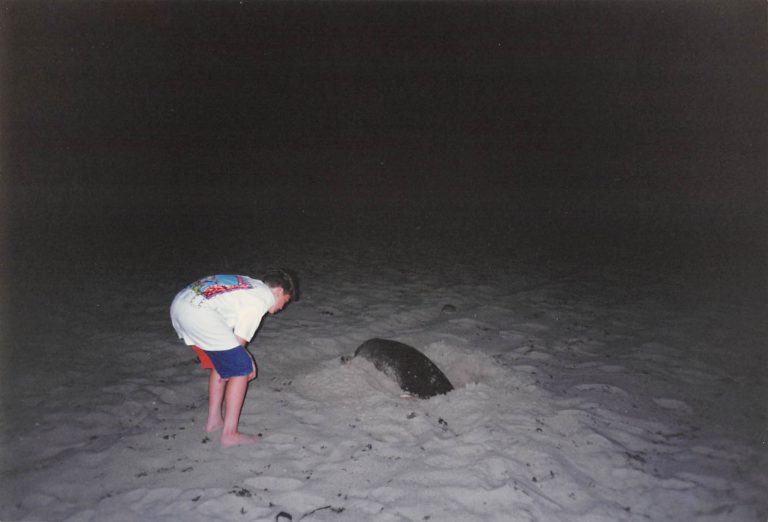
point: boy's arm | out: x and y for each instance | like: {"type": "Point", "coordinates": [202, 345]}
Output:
{"type": "Point", "coordinates": [244, 343]}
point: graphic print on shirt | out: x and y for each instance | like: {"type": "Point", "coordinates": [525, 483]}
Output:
{"type": "Point", "coordinates": [214, 285]}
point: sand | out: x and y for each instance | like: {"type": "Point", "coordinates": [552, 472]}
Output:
{"type": "Point", "coordinates": [592, 384]}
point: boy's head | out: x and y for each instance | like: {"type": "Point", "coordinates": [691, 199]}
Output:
{"type": "Point", "coordinates": [279, 279]}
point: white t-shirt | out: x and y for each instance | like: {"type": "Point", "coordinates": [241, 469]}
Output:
{"type": "Point", "coordinates": [210, 312]}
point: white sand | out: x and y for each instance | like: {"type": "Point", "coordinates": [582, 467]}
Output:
{"type": "Point", "coordinates": [587, 388]}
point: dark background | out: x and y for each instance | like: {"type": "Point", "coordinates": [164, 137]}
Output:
{"type": "Point", "coordinates": [562, 118]}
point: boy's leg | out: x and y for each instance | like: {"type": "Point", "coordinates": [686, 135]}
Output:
{"type": "Point", "coordinates": [234, 397]}
{"type": "Point", "coordinates": [216, 387]}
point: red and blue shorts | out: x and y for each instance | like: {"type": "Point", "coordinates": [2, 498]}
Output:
{"type": "Point", "coordinates": [228, 363]}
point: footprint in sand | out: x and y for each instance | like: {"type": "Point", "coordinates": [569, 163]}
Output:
{"type": "Point", "coordinates": [603, 388]}
{"type": "Point", "coordinates": [673, 404]}
{"type": "Point", "coordinates": [611, 368]}
{"type": "Point", "coordinates": [274, 483]}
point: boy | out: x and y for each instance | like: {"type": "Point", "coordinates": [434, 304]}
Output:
{"type": "Point", "coordinates": [217, 316]}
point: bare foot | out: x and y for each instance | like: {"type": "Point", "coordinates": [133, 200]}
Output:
{"type": "Point", "coordinates": [237, 439]}
{"type": "Point", "coordinates": [212, 426]}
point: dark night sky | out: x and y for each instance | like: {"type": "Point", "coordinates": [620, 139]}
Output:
{"type": "Point", "coordinates": [417, 103]}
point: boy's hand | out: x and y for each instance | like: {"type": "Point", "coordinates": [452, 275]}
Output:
{"type": "Point", "coordinates": [254, 371]}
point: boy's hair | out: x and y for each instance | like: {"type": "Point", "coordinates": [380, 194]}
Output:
{"type": "Point", "coordinates": [285, 279]}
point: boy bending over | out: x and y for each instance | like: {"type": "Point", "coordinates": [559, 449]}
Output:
{"type": "Point", "coordinates": [217, 316]}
